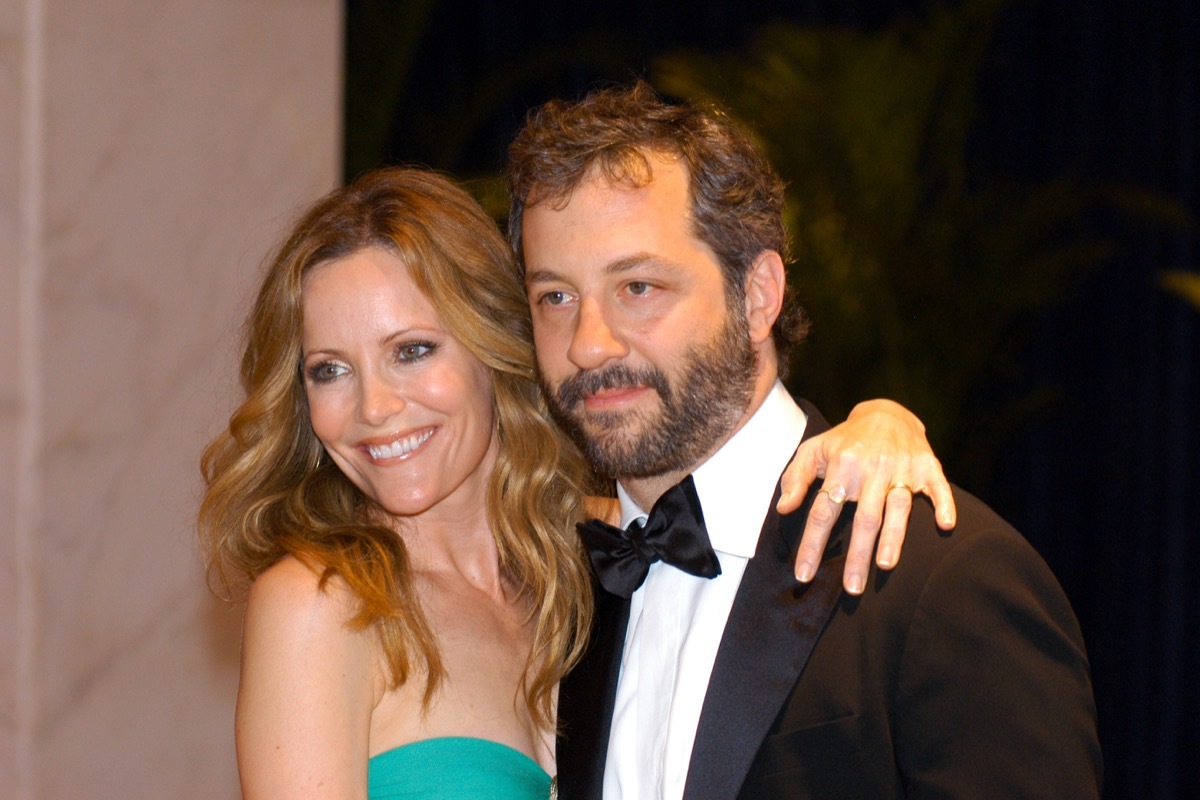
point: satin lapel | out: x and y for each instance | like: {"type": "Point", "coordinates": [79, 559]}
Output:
{"type": "Point", "coordinates": [585, 703]}
{"type": "Point", "coordinates": [773, 626]}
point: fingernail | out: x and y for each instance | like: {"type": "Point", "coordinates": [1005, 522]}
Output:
{"type": "Point", "coordinates": [886, 556]}
{"type": "Point", "coordinates": [854, 584]}
{"type": "Point", "coordinates": [805, 573]}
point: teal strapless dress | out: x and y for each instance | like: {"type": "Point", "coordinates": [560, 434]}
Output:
{"type": "Point", "coordinates": [453, 768]}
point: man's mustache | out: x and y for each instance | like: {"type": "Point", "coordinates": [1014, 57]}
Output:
{"type": "Point", "coordinates": [617, 376]}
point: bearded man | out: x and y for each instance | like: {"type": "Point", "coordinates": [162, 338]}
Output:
{"type": "Point", "coordinates": [652, 243]}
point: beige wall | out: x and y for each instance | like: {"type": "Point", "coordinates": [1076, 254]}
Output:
{"type": "Point", "coordinates": [150, 153]}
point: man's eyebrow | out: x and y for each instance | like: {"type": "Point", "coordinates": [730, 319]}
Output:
{"type": "Point", "coordinates": [635, 261]}
{"type": "Point", "coordinates": [542, 276]}
{"type": "Point", "coordinates": [623, 264]}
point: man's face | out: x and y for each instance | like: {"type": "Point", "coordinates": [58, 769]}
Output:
{"type": "Point", "coordinates": [641, 358]}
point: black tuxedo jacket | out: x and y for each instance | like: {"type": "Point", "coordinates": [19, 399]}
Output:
{"type": "Point", "coordinates": [960, 674]}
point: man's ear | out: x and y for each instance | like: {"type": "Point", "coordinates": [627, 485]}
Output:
{"type": "Point", "coordinates": [765, 283]}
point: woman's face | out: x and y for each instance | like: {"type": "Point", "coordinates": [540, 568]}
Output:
{"type": "Point", "coordinates": [402, 408]}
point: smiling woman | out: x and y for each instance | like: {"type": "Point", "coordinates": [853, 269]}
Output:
{"type": "Point", "coordinates": [400, 405]}
{"type": "Point", "coordinates": [393, 487]}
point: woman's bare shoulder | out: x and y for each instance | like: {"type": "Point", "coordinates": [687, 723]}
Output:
{"type": "Point", "coordinates": [291, 601]}
{"type": "Point", "coordinates": [307, 689]}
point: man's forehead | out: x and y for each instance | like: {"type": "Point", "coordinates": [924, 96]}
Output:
{"type": "Point", "coordinates": [624, 170]}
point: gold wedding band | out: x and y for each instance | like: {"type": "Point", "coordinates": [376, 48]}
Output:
{"type": "Point", "coordinates": [903, 486]}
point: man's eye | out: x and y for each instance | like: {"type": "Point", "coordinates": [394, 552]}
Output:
{"type": "Point", "coordinates": [638, 287]}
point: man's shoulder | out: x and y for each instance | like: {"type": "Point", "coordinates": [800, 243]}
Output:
{"type": "Point", "coordinates": [976, 577]}
{"type": "Point", "coordinates": [980, 537]}
{"type": "Point", "coordinates": [939, 566]}
{"type": "Point", "coordinates": [978, 525]}
{"type": "Point", "coordinates": [924, 543]}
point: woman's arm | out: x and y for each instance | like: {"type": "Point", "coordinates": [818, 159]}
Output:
{"type": "Point", "coordinates": [307, 692]}
{"type": "Point", "coordinates": [878, 457]}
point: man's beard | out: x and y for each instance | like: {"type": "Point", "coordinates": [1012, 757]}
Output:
{"type": "Point", "coordinates": [712, 390]}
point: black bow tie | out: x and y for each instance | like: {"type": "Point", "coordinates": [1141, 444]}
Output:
{"type": "Point", "coordinates": [674, 533]}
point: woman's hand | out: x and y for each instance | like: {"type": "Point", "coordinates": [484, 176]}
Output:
{"type": "Point", "coordinates": [878, 457]}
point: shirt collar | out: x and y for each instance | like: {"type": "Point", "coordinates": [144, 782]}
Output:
{"type": "Point", "coordinates": [736, 484]}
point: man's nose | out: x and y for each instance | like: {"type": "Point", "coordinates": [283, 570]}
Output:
{"type": "Point", "coordinates": [596, 340]}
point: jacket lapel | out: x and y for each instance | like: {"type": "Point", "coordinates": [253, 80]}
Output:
{"type": "Point", "coordinates": [773, 626]}
{"type": "Point", "coordinates": [585, 702]}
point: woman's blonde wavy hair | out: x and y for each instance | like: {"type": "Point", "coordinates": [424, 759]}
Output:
{"type": "Point", "coordinates": [271, 493]}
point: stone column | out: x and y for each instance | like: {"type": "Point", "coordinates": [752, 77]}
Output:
{"type": "Point", "coordinates": [151, 151]}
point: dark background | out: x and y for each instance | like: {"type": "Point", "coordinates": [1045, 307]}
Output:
{"type": "Point", "coordinates": [1105, 480]}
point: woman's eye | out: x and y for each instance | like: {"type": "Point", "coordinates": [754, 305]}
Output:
{"type": "Point", "coordinates": [413, 351]}
{"type": "Point", "coordinates": [325, 372]}
{"type": "Point", "coordinates": [638, 287]}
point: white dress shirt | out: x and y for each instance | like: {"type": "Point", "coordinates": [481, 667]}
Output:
{"type": "Point", "coordinates": [676, 620]}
